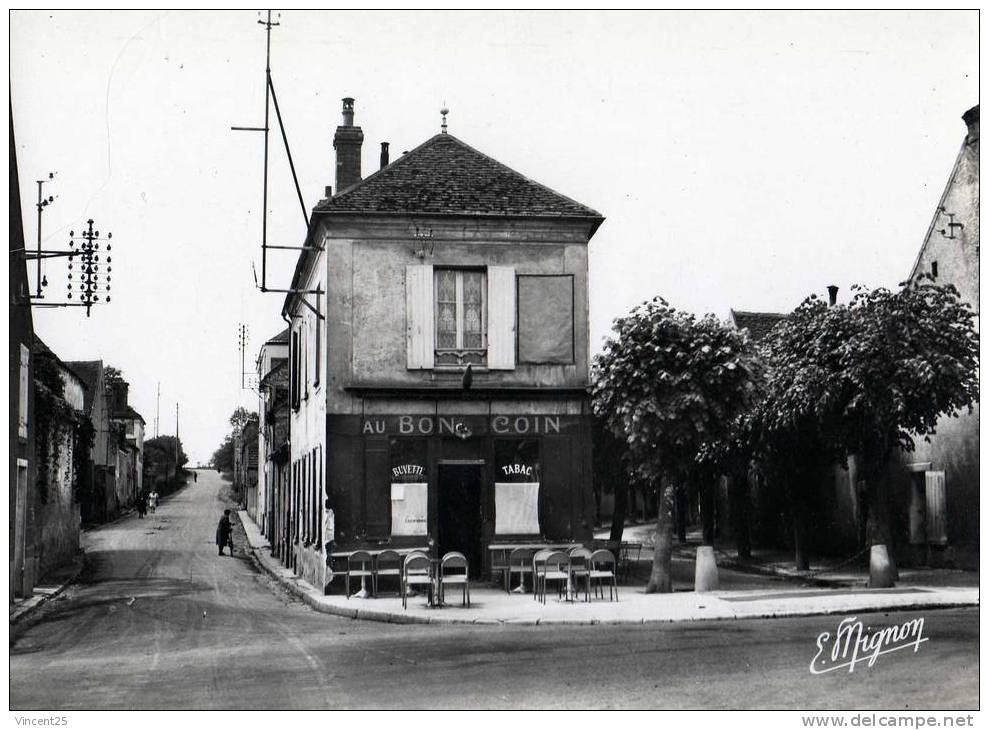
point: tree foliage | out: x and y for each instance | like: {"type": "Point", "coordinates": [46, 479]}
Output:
{"type": "Point", "coordinates": [666, 385]}
{"type": "Point", "coordinates": [865, 379]}
{"type": "Point", "coordinates": [160, 455]}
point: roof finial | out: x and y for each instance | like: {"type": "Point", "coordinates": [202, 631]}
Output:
{"type": "Point", "coordinates": [444, 111]}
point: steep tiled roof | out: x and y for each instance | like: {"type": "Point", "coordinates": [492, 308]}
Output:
{"type": "Point", "coordinates": [89, 372]}
{"type": "Point", "coordinates": [444, 176]}
{"type": "Point", "coordinates": [280, 339]}
{"type": "Point", "coordinates": [758, 324]}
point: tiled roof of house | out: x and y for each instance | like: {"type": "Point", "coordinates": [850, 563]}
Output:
{"type": "Point", "coordinates": [129, 414]}
{"type": "Point", "coordinates": [758, 324]}
{"type": "Point", "coordinates": [89, 373]}
{"type": "Point", "coordinates": [445, 176]}
{"type": "Point", "coordinates": [40, 348]}
{"type": "Point", "coordinates": [280, 339]}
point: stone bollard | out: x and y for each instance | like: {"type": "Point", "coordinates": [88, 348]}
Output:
{"type": "Point", "coordinates": [706, 570]}
{"type": "Point", "coordinates": [880, 568]}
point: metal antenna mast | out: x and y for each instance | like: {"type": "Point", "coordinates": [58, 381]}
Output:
{"type": "Point", "coordinates": [269, 97]}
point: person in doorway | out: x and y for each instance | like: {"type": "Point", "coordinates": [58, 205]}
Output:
{"type": "Point", "coordinates": [224, 533]}
{"type": "Point", "coordinates": [142, 505]}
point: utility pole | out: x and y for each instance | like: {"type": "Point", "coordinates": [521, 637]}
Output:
{"type": "Point", "coordinates": [243, 336]}
{"type": "Point", "coordinates": [176, 438]}
{"type": "Point", "coordinates": [42, 204]}
{"type": "Point", "coordinates": [157, 409]}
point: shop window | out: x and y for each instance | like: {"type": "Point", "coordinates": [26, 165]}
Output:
{"type": "Point", "coordinates": [409, 487]}
{"type": "Point", "coordinates": [517, 480]}
{"type": "Point", "coordinates": [546, 319]}
{"type": "Point", "coordinates": [461, 316]}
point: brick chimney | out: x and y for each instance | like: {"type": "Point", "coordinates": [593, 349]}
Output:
{"type": "Point", "coordinates": [384, 154]}
{"type": "Point", "coordinates": [971, 119]}
{"type": "Point", "coordinates": [347, 142]}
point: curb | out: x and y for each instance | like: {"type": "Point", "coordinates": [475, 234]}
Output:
{"type": "Point", "coordinates": [18, 617]}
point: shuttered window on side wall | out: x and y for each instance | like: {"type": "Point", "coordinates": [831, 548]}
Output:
{"type": "Point", "coordinates": [501, 318]}
{"type": "Point", "coordinates": [23, 394]}
{"type": "Point", "coordinates": [419, 316]}
{"type": "Point", "coordinates": [937, 527]}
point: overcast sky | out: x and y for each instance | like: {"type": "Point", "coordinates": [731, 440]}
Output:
{"type": "Point", "coordinates": [741, 160]}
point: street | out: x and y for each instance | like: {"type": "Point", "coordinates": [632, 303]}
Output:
{"type": "Point", "coordinates": [159, 621]}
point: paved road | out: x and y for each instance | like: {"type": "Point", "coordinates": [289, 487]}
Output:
{"type": "Point", "coordinates": [132, 635]}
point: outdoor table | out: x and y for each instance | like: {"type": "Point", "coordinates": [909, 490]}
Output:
{"type": "Point", "coordinates": [362, 593]}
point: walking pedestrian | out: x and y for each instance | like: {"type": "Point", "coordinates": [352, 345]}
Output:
{"type": "Point", "coordinates": [142, 505]}
{"type": "Point", "coordinates": [224, 533]}
{"type": "Point", "coordinates": [153, 501]}
{"type": "Point", "coordinates": [195, 476]}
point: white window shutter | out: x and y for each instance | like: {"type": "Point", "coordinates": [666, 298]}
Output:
{"type": "Point", "coordinates": [23, 394]}
{"type": "Point", "coordinates": [937, 528]}
{"type": "Point", "coordinates": [501, 318]}
{"type": "Point", "coordinates": [419, 317]}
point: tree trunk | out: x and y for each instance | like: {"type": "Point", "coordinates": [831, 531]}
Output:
{"type": "Point", "coordinates": [661, 577]}
{"type": "Point", "coordinates": [707, 495]}
{"type": "Point", "coordinates": [738, 494]}
{"type": "Point", "coordinates": [681, 513]}
{"type": "Point", "coordinates": [801, 558]}
{"type": "Point", "coordinates": [618, 512]}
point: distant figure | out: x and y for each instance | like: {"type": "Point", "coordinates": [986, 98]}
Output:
{"type": "Point", "coordinates": [195, 476]}
{"type": "Point", "coordinates": [224, 533]}
{"type": "Point", "coordinates": [153, 501]}
{"type": "Point", "coordinates": [142, 505]}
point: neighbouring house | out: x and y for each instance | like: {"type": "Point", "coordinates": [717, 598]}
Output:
{"type": "Point", "coordinates": [129, 439]}
{"type": "Point", "coordinates": [97, 493]}
{"type": "Point", "coordinates": [20, 416]}
{"type": "Point", "coordinates": [938, 482]}
{"type": "Point", "coordinates": [439, 360]}
{"type": "Point", "coordinates": [273, 444]}
{"type": "Point", "coordinates": [246, 461]}
{"type": "Point", "coordinates": [61, 454]}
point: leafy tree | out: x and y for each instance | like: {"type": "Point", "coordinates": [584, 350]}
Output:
{"type": "Point", "coordinates": [241, 416]}
{"type": "Point", "coordinates": [866, 378]}
{"type": "Point", "coordinates": [666, 384]}
{"type": "Point", "coordinates": [160, 456]}
{"type": "Point", "coordinates": [223, 457]}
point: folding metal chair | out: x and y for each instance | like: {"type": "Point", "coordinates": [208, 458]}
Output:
{"type": "Point", "coordinates": [387, 564]}
{"type": "Point", "coordinates": [417, 570]}
{"type": "Point", "coordinates": [603, 568]}
{"type": "Point", "coordinates": [454, 561]}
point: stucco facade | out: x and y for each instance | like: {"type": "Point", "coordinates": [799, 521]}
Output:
{"type": "Point", "coordinates": [443, 259]}
{"type": "Point", "coordinates": [938, 483]}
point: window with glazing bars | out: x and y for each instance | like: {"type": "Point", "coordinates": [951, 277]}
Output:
{"type": "Point", "coordinates": [461, 316]}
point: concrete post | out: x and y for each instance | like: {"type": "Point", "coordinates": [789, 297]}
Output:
{"type": "Point", "coordinates": [880, 568]}
{"type": "Point", "coordinates": [706, 570]}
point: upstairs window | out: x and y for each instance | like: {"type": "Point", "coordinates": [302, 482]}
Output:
{"type": "Point", "coordinates": [461, 316]}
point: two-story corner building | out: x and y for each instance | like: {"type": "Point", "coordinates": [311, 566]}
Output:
{"type": "Point", "coordinates": [942, 476]}
{"type": "Point", "coordinates": [439, 359]}
{"type": "Point", "coordinates": [273, 448]}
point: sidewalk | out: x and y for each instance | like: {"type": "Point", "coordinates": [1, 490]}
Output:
{"type": "Point", "coordinates": [824, 572]}
{"type": "Point", "coordinates": [492, 606]}
{"type": "Point", "coordinates": [52, 586]}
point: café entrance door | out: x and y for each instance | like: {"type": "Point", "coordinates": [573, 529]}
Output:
{"type": "Point", "coordinates": [459, 526]}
